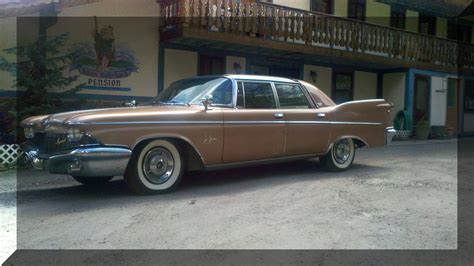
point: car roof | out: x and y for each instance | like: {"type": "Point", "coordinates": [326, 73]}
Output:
{"type": "Point", "coordinates": [260, 78]}
{"type": "Point", "coordinates": [247, 77]}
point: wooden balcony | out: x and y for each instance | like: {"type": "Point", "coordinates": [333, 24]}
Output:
{"type": "Point", "coordinates": [278, 30]}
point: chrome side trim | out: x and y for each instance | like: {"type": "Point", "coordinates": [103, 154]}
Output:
{"type": "Point", "coordinates": [261, 162]}
{"type": "Point", "coordinates": [354, 123]}
{"type": "Point", "coordinates": [145, 122]}
{"type": "Point", "coordinates": [256, 122]}
{"type": "Point", "coordinates": [226, 122]}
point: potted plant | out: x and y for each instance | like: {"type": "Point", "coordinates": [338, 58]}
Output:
{"type": "Point", "coordinates": [422, 129]}
{"type": "Point", "coordinates": [451, 132]}
{"type": "Point", "coordinates": [440, 132]}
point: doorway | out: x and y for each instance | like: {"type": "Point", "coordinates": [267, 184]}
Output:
{"type": "Point", "coordinates": [284, 72]}
{"type": "Point", "coordinates": [421, 101]}
{"type": "Point", "coordinates": [452, 108]}
{"type": "Point", "coordinates": [468, 118]}
{"type": "Point", "coordinates": [211, 65]}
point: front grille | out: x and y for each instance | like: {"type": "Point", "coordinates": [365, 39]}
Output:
{"type": "Point", "coordinates": [57, 142]}
{"type": "Point", "coordinates": [38, 140]}
{"type": "Point", "coordinates": [50, 142]}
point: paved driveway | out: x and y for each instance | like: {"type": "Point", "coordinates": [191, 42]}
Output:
{"type": "Point", "coordinates": [401, 197]}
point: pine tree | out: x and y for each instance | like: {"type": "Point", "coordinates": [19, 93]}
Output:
{"type": "Point", "coordinates": [40, 67]}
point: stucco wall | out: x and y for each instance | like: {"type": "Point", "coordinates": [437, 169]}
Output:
{"type": "Point", "coordinates": [438, 101]}
{"type": "Point", "coordinates": [8, 40]}
{"type": "Point", "coordinates": [412, 21]}
{"type": "Point", "coordinates": [229, 64]}
{"type": "Point", "coordinates": [126, 8]}
{"type": "Point", "coordinates": [144, 82]}
{"type": "Point", "coordinates": [179, 64]}
{"type": "Point", "coordinates": [301, 4]}
{"type": "Point", "coordinates": [441, 27]}
{"type": "Point", "coordinates": [378, 13]}
{"type": "Point", "coordinates": [394, 90]}
{"type": "Point", "coordinates": [324, 79]}
{"type": "Point", "coordinates": [134, 67]}
{"type": "Point", "coordinates": [128, 28]}
{"type": "Point", "coordinates": [340, 8]}
{"type": "Point", "coordinates": [365, 85]}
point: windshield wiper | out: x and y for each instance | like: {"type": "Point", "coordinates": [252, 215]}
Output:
{"type": "Point", "coordinates": [174, 103]}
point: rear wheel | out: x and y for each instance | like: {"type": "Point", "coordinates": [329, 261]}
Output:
{"type": "Point", "coordinates": [340, 157]}
{"type": "Point", "coordinates": [155, 168]}
{"type": "Point", "coordinates": [93, 180]}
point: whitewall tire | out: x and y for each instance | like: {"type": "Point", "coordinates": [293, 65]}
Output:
{"type": "Point", "coordinates": [340, 156]}
{"type": "Point", "coordinates": [156, 167]}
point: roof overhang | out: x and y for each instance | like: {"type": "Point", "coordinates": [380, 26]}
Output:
{"type": "Point", "coordinates": [440, 8]}
{"type": "Point", "coordinates": [238, 44]}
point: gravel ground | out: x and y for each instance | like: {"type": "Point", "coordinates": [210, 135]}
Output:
{"type": "Point", "coordinates": [7, 214]}
{"type": "Point", "coordinates": [399, 197]}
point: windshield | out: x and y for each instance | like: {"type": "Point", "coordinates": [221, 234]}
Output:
{"type": "Point", "coordinates": [191, 91]}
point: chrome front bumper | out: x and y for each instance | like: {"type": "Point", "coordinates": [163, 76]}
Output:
{"type": "Point", "coordinates": [81, 161]}
{"type": "Point", "coordinates": [389, 134]}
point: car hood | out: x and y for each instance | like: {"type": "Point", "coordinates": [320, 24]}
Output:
{"type": "Point", "coordinates": [113, 115]}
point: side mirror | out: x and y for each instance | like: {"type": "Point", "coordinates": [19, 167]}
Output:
{"type": "Point", "coordinates": [132, 103]}
{"type": "Point", "coordinates": [207, 101]}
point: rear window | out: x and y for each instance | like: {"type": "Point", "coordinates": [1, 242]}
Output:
{"type": "Point", "coordinates": [291, 96]}
{"type": "Point", "coordinates": [321, 99]}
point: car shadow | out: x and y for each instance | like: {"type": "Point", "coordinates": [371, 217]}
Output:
{"type": "Point", "coordinates": [281, 172]}
{"type": "Point", "coordinates": [193, 186]}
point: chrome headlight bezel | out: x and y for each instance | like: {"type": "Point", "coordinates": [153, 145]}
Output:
{"type": "Point", "coordinates": [75, 134]}
{"type": "Point", "coordinates": [29, 132]}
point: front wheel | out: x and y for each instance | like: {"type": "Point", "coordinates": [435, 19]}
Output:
{"type": "Point", "coordinates": [155, 168]}
{"type": "Point", "coordinates": [340, 156]}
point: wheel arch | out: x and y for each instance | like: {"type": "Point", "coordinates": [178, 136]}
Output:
{"type": "Point", "coordinates": [192, 157]}
{"type": "Point", "coordinates": [358, 141]}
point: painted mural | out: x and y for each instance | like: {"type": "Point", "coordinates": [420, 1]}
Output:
{"type": "Point", "coordinates": [103, 61]}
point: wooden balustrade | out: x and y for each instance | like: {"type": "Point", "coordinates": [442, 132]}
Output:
{"type": "Point", "coordinates": [280, 23]}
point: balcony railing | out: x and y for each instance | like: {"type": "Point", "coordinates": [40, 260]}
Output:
{"type": "Point", "coordinates": [281, 23]}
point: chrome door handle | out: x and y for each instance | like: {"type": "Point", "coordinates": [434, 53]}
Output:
{"type": "Point", "coordinates": [278, 115]}
{"type": "Point", "coordinates": [321, 115]}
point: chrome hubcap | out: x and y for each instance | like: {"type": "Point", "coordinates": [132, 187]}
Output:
{"type": "Point", "coordinates": [158, 165]}
{"type": "Point", "coordinates": [342, 151]}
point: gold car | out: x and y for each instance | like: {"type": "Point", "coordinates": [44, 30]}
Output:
{"type": "Point", "coordinates": [205, 123]}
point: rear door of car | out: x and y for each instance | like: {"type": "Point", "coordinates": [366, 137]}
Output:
{"type": "Point", "coordinates": [307, 126]}
{"type": "Point", "coordinates": [256, 129]}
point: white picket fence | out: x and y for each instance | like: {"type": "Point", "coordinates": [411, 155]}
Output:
{"type": "Point", "coordinates": [9, 154]}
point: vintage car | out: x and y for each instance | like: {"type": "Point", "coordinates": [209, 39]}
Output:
{"type": "Point", "coordinates": [204, 123]}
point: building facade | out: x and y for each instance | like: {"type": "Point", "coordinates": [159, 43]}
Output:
{"type": "Point", "coordinates": [415, 54]}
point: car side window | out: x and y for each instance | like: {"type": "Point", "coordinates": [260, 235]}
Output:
{"type": "Point", "coordinates": [258, 95]}
{"type": "Point", "coordinates": [291, 97]}
{"type": "Point", "coordinates": [223, 94]}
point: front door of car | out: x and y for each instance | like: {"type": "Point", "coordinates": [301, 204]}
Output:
{"type": "Point", "coordinates": [256, 129]}
{"type": "Point", "coordinates": [307, 127]}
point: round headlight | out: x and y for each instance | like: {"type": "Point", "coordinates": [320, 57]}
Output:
{"type": "Point", "coordinates": [29, 133]}
{"type": "Point", "coordinates": [74, 134]}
